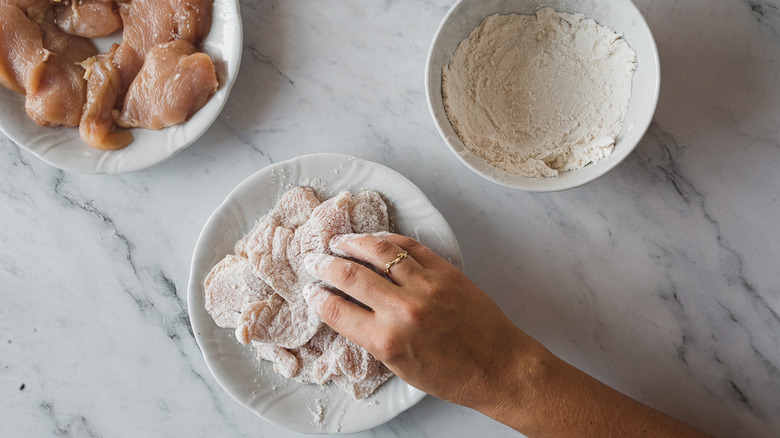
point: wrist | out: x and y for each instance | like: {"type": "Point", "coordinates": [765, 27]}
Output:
{"type": "Point", "coordinates": [518, 386]}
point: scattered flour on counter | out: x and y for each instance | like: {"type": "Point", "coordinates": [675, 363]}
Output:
{"type": "Point", "coordinates": [536, 95]}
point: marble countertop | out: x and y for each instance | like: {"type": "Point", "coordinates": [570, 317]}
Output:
{"type": "Point", "coordinates": [662, 278]}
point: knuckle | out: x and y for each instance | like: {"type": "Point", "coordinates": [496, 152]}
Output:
{"type": "Point", "coordinates": [331, 311]}
{"type": "Point", "coordinates": [390, 348]}
{"type": "Point", "coordinates": [409, 243]}
{"type": "Point", "coordinates": [435, 291]}
{"type": "Point", "coordinates": [414, 312]}
{"type": "Point", "coordinates": [434, 287]}
{"type": "Point", "coordinates": [347, 276]}
{"type": "Point", "coordinates": [382, 247]}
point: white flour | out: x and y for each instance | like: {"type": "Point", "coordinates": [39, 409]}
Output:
{"type": "Point", "coordinates": [538, 94]}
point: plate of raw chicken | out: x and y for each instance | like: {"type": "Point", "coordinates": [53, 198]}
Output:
{"type": "Point", "coordinates": [95, 86]}
{"type": "Point", "coordinates": [300, 199]}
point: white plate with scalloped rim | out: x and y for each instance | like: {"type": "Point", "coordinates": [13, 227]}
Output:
{"type": "Point", "coordinates": [255, 385]}
{"type": "Point", "coordinates": [62, 147]}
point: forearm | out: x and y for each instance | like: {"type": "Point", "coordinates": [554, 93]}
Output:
{"type": "Point", "coordinates": [553, 399]}
{"type": "Point", "coordinates": [439, 332]}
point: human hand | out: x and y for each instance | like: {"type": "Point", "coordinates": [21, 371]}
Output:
{"type": "Point", "coordinates": [440, 333]}
{"type": "Point", "coordinates": [430, 324]}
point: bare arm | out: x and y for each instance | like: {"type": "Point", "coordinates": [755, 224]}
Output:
{"type": "Point", "coordinates": [440, 333]}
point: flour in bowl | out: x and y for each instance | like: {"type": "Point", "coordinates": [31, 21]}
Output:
{"type": "Point", "coordinates": [535, 95]}
{"type": "Point", "coordinates": [259, 291]}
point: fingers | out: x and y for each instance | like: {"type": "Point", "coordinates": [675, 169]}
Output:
{"type": "Point", "coordinates": [379, 250]}
{"type": "Point", "coordinates": [347, 318]}
{"type": "Point", "coordinates": [352, 278]}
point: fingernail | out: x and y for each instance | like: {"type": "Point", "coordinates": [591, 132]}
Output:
{"type": "Point", "coordinates": [337, 242]}
{"type": "Point", "coordinates": [312, 262]}
{"type": "Point", "coordinates": [315, 295]}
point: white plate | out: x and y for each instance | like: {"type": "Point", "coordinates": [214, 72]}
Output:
{"type": "Point", "coordinates": [257, 386]}
{"type": "Point", "coordinates": [62, 147]}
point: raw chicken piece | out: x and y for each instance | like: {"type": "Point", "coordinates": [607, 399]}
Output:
{"type": "Point", "coordinates": [318, 361]}
{"type": "Point", "coordinates": [60, 97]}
{"type": "Point", "coordinates": [368, 213]}
{"type": "Point", "coordinates": [267, 250]}
{"type": "Point", "coordinates": [97, 121]}
{"type": "Point", "coordinates": [295, 207]}
{"type": "Point", "coordinates": [327, 220]}
{"type": "Point", "coordinates": [277, 321]}
{"type": "Point", "coordinates": [33, 8]}
{"type": "Point", "coordinates": [149, 23]}
{"type": "Point", "coordinates": [363, 388]}
{"type": "Point", "coordinates": [88, 18]}
{"type": "Point", "coordinates": [283, 328]}
{"type": "Point", "coordinates": [173, 84]}
{"type": "Point", "coordinates": [277, 252]}
{"type": "Point", "coordinates": [344, 357]}
{"type": "Point", "coordinates": [269, 245]}
{"type": "Point", "coordinates": [308, 354]}
{"type": "Point", "coordinates": [298, 363]}
{"type": "Point", "coordinates": [240, 247]}
{"type": "Point", "coordinates": [22, 55]}
{"type": "Point", "coordinates": [285, 362]}
{"type": "Point", "coordinates": [230, 286]}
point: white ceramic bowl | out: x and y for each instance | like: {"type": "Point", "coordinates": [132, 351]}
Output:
{"type": "Point", "coordinates": [620, 15]}
{"type": "Point", "coordinates": [257, 386]}
{"type": "Point", "coordinates": [62, 147]}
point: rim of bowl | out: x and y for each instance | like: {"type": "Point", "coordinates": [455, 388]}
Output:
{"type": "Point", "coordinates": [643, 126]}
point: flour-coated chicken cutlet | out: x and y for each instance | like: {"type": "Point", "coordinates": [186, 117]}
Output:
{"type": "Point", "coordinates": [277, 321]}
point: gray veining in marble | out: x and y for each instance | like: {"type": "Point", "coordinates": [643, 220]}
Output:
{"type": "Point", "coordinates": [661, 278]}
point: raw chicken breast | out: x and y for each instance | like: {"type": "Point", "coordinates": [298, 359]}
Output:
{"type": "Point", "coordinates": [173, 84]}
{"type": "Point", "coordinates": [22, 54]}
{"type": "Point", "coordinates": [149, 23]}
{"type": "Point", "coordinates": [33, 8]}
{"type": "Point", "coordinates": [88, 18]}
{"type": "Point", "coordinates": [60, 96]}
{"type": "Point", "coordinates": [97, 120]}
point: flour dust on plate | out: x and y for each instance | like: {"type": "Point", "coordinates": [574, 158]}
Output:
{"type": "Point", "coordinates": [305, 408]}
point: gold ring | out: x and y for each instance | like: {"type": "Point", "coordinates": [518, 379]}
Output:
{"type": "Point", "coordinates": [397, 260]}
